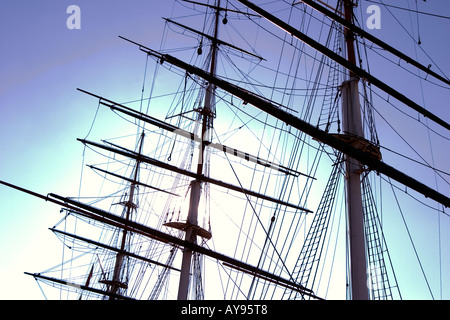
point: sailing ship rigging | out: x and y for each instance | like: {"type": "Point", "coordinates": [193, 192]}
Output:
{"type": "Point", "coordinates": [221, 188]}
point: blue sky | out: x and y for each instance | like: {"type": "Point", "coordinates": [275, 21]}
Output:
{"type": "Point", "coordinates": [42, 113]}
{"type": "Point", "coordinates": [43, 62]}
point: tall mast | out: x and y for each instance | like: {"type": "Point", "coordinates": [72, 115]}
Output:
{"type": "Point", "coordinates": [116, 282]}
{"type": "Point", "coordinates": [352, 127]}
{"type": "Point", "coordinates": [207, 122]}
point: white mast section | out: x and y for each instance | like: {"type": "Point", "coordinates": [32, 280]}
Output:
{"type": "Point", "coordinates": [352, 126]}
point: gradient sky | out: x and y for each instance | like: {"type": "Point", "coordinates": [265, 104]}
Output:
{"type": "Point", "coordinates": [42, 113]}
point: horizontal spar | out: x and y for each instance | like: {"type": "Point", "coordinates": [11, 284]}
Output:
{"type": "Point", "coordinates": [128, 153]}
{"type": "Point", "coordinates": [207, 36]}
{"type": "Point", "coordinates": [89, 212]}
{"type": "Point", "coordinates": [102, 245]}
{"type": "Point", "coordinates": [132, 181]}
{"type": "Point", "coordinates": [345, 63]}
{"type": "Point", "coordinates": [221, 8]}
{"type": "Point", "coordinates": [313, 131]}
{"type": "Point", "coordinates": [373, 39]}
{"type": "Point", "coordinates": [287, 286]}
{"type": "Point", "coordinates": [257, 160]}
{"type": "Point", "coordinates": [194, 137]}
{"type": "Point", "coordinates": [157, 234]}
{"type": "Point", "coordinates": [153, 234]}
{"type": "Point", "coordinates": [78, 286]}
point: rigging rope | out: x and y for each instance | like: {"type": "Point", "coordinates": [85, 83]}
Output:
{"type": "Point", "coordinates": [410, 238]}
{"type": "Point", "coordinates": [411, 36]}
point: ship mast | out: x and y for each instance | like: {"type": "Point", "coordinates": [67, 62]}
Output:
{"type": "Point", "coordinates": [352, 127]}
{"type": "Point", "coordinates": [207, 113]}
{"type": "Point", "coordinates": [116, 282]}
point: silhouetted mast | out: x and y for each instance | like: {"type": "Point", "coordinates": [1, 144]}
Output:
{"type": "Point", "coordinates": [352, 126]}
{"type": "Point", "coordinates": [207, 113]}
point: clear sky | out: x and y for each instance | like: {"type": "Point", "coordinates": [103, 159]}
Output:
{"type": "Point", "coordinates": [42, 113]}
{"type": "Point", "coordinates": [43, 62]}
